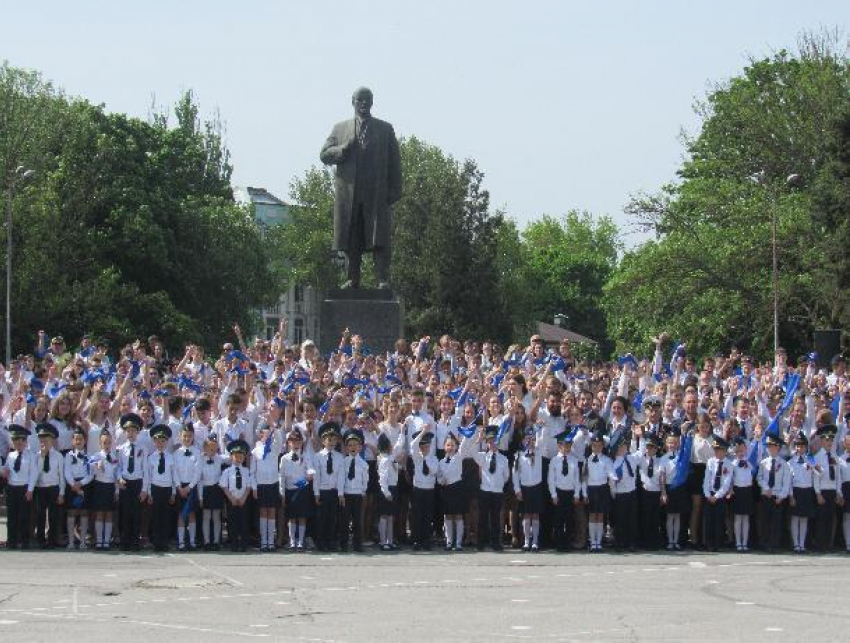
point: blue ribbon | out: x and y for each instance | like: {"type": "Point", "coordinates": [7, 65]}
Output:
{"type": "Point", "coordinates": [187, 508]}
{"type": "Point", "coordinates": [236, 354]}
{"type": "Point", "coordinates": [267, 445]}
{"type": "Point", "coordinates": [504, 425]}
{"type": "Point", "coordinates": [469, 430]}
{"type": "Point", "coordinates": [683, 461]}
{"type": "Point", "coordinates": [54, 391]}
{"type": "Point", "coordinates": [637, 405]}
{"type": "Point", "coordinates": [628, 359]}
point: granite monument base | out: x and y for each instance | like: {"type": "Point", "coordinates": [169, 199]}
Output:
{"type": "Point", "coordinates": [375, 315]}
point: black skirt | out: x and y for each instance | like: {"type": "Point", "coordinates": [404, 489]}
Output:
{"type": "Point", "coordinates": [678, 500]}
{"type": "Point", "coordinates": [804, 502]}
{"type": "Point", "coordinates": [374, 485]}
{"type": "Point", "coordinates": [599, 499]}
{"type": "Point", "coordinates": [299, 503]}
{"type": "Point", "coordinates": [102, 496]}
{"type": "Point", "coordinates": [533, 501]}
{"type": "Point", "coordinates": [743, 503]}
{"type": "Point", "coordinates": [75, 501]}
{"type": "Point", "coordinates": [191, 500]}
{"type": "Point", "coordinates": [696, 473]}
{"type": "Point", "coordinates": [454, 499]}
{"type": "Point", "coordinates": [388, 507]}
{"type": "Point", "coordinates": [268, 496]}
{"type": "Point", "coordinates": [213, 497]}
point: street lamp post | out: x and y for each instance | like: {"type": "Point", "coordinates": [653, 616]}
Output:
{"type": "Point", "coordinates": [20, 174]}
{"type": "Point", "coordinates": [792, 179]}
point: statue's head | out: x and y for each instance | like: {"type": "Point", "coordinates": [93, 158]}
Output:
{"type": "Point", "coordinates": [361, 99]}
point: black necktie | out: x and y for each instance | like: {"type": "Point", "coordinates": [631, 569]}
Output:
{"type": "Point", "coordinates": [351, 470]}
{"type": "Point", "coordinates": [492, 463]}
{"type": "Point", "coordinates": [717, 475]}
{"type": "Point", "coordinates": [448, 459]}
{"type": "Point", "coordinates": [238, 477]}
{"type": "Point", "coordinates": [47, 463]}
{"type": "Point", "coordinates": [187, 453]}
{"type": "Point", "coordinates": [131, 463]}
{"type": "Point", "coordinates": [565, 467]}
{"type": "Point", "coordinates": [294, 457]}
{"type": "Point", "coordinates": [596, 458]}
{"type": "Point", "coordinates": [330, 463]}
{"type": "Point", "coordinates": [210, 461]}
{"type": "Point", "coordinates": [651, 467]}
{"type": "Point", "coordinates": [425, 470]}
{"type": "Point", "coordinates": [771, 478]}
{"type": "Point", "coordinates": [17, 466]}
{"type": "Point", "coordinates": [800, 461]}
{"type": "Point", "coordinates": [161, 468]}
{"type": "Point", "coordinates": [629, 467]}
{"type": "Point", "coordinates": [831, 470]}
{"type": "Point", "coordinates": [742, 463]}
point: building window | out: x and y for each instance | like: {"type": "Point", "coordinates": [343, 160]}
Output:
{"type": "Point", "coordinates": [271, 327]}
{"type": "Point", "coordinates": [297, 293]}
{"type": "Point", "coordinates": [298, 330]}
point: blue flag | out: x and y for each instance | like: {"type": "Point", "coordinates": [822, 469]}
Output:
{"type": "Point", "coordinates": [683, 462]}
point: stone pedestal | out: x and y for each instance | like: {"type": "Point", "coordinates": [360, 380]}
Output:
{"type": "Point", "coordinates": [375, 315]}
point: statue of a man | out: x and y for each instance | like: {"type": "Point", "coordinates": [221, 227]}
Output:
{"type": "Point", "coordinates": [368, 182]}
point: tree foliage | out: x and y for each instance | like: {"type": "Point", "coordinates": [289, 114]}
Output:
{"type": "Point", "coordinates": [708, 274]}
{"type": "Point", "coordinates": [129, 227]}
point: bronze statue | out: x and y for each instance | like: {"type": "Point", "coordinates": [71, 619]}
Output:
{"type": "Point", "coordinates": [367, 184]}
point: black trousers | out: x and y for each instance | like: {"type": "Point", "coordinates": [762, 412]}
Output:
{"type": "Point", "coordinates": [650, 519]}
{"type": "Point", "coordinates": [18, 515]}
{"type": "Point", "coordinates": [161, 511]}
{"type": "Point", "coordinates": [714, 522]}
{"type": "Point", "coordinates": [352, 521]}
{"type": "Point", "coordinates": [564, 518]}
{"type": "Point", "coordinates": [490, 519]}
{"type": "Point", "coordinates": [358, 236]}
{"type": "Point", "coordinates": [47, 514]}
{"type": "Point", "coordinates": [773, 523]}
{"type": "Point", "coordinates": [421, 516]}
{"type": "Point", "coordinates": [625, 519]}
{"type": "Point", "coordinates": [130, 508]}
{"type": "Point", "coordinates": [825, 521]}
{"type": "Point", "coordinates": [237, 525]}
{"type": "Point", "coordinates": [327, 519]}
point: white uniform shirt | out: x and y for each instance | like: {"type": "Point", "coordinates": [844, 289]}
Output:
{"type": "Point", "coordinates": [27, 473]}
{"type": "Point", "coordinates": [237, 480]}
{"type": "Point", "coordinates": [528, 470]}
{"type": "Point", "coordinates": [356, 480]}
{"type": "Point", "coordinates": [557, 480]}
{"type": "Point", "coordinates": [324, 481]}
{"type": "Point", "coordinates": [493, 481]}
{"type": "Point", "coordinates": [165, 479]}
{"type": "Point", "coordinates": [55, 475]}
{"type": "Point", "coordinates": [781, 477]}
{"type": "Point", "coordinates": [712, 486]}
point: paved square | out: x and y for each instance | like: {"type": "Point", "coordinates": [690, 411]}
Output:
{"type": "Point", "coordinates": [90, 596]}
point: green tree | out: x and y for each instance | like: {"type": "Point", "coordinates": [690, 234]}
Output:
{"type": "Point", "coordinates": [130, 228]}
{"type": "Point", "coordinates": [708, 276]}
{"type": "Point", "coordinates": [567, 263]}
{"type": "Point", "coordinates": [446, 249]}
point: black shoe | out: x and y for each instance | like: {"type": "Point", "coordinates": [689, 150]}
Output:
{"type": "Point", "coordinates": [358, 549]}
{"type": "Point", "coordinates": [498, 548]}
{"type": "Point", "coordinates": [416, 546]}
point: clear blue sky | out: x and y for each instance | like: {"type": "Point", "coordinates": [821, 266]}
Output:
{"type": "Point", "coordinates": [562, 104]}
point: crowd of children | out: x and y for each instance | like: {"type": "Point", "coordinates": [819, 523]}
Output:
{"type": "Point", "coordinates": [272, 446]}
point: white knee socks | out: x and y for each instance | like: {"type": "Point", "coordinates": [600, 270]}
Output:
{"type": "Point", "coordinates": [673, 528]}
{"type": "Point", "coordinates": [535, 532]}
{"type": "Point", "coordinates": [448, 527]}
{"type": "Point", "coordinates": [526, 530]}
{"type": "Point", "coordinates": [459, 532]}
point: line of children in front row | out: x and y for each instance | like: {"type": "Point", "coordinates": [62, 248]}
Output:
{"type": "Point", "coordinates": [332, 485]}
